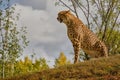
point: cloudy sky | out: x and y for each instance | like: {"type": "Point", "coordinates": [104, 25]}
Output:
{"type": "Point", "coordinates": [46, 35]}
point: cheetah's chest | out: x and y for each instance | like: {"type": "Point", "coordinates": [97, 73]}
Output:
{"type": "Point", "coordinates": [71, 34]}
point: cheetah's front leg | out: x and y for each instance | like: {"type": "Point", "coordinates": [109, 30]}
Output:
{"type": "Point", "coordinates": [76, 51]}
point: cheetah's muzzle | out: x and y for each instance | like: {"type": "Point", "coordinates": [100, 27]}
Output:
{"type": "Point", "coordinates": [59, 19]}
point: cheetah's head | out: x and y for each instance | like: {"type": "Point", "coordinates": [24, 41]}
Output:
{"type": "Point", "coordinates": [64, 16]}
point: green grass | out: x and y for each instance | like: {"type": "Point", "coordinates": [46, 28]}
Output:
{"type": "Point", "coordinates": [95, 69]}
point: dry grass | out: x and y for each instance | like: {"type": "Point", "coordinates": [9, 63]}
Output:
{"type": "Point", "coordinates": [97, 69]}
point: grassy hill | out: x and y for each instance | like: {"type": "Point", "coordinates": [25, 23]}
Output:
{"type": "Point", "coordinates": [95, 69]}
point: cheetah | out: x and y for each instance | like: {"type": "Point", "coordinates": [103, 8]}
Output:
{"type": "Point", "coordinates": [81, 37]}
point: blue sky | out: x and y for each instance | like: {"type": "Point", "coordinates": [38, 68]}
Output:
{"type": "Point", "coordinates": [46, 35]}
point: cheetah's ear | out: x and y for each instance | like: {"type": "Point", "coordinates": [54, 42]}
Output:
{"type": "Point", "coordinates": [68, 11]}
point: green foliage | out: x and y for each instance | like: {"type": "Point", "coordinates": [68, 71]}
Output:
{"type": "Point", "coordinates": [40, 65]}
{"type": "Point", "coordinates": [24, 66]}
{"type": "Point", "coordinates": [27, 65]}
{"type": "Point", "coordinates": [12, 39]}
{"type": "Point", "coordinates": [62, 60]}
{"type": "Point", "coordinates": [113, 41]}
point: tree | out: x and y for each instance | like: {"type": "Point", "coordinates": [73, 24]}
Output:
{"type": "Point", "coordinates": [40, 64]}
{"type": "Point", "coordinates": [102, 17]}
{"type": "Point", "coordinates": [62, 60]}
{"type": "Point", "coordinates": [27, 65]}
{"type": "Point", "coordinates": [12, 38]}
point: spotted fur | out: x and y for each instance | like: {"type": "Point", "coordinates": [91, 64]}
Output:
{"type": "Point", "coordinates": [81, 37]}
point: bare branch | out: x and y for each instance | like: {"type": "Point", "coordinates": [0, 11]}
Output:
{"type": "Point", "coordinates": [97, 5]}
{"type": "Point", "coordinates": [104, 20]}
{"type": "Point", "coordinates": [66, 6]}
{"type": "Point", "coordinates": [74, 6]}
{"type": "Point", "coordinates": [110, 10]}
{"type": "Point", "coordinates": [81, 8]}
{"type": "Point", "coordinates": [84, 8]}
{"type": "Point", "coordinates": [113, 26]}
{"type": "Point", "coordinates": [88, 13]}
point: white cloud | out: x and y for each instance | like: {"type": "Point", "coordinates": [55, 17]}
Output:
{"type": "Point", "coordinates": [39, 23]}
{"type": "Point", "coordinates": [47, 36]}
{"type": "Point", "coordinates": [35, 4]}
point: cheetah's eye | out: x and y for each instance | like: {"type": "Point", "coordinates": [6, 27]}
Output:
{"type": "Point", "coordinates": [63, 15]}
